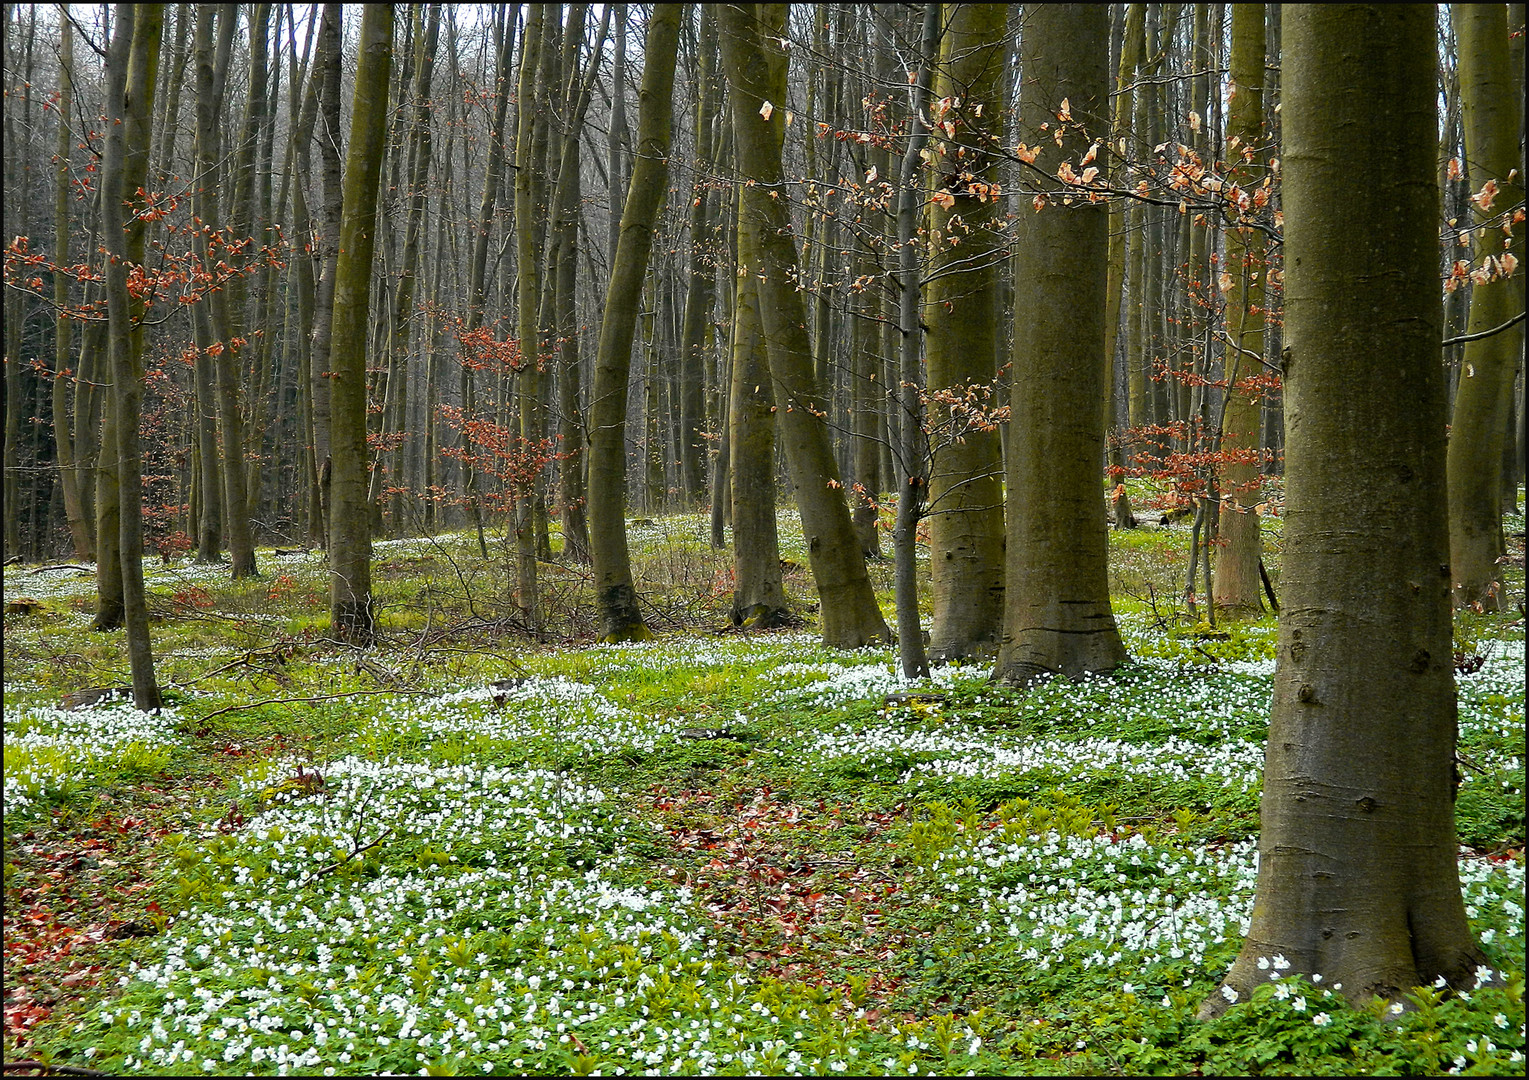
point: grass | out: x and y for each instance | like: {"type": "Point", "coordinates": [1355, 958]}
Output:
{"type": "Point", "coordinates": [465, 851]}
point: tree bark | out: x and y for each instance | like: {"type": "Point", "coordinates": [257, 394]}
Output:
{"type": "Point", "coordinates": [759, 600]}
{"type": "Point", "coordinates": [68, 472]}
{"type": "Point", "coordinates": [962, 312]}
{"type": "Point", "coordinates": [124, 174]}
{"type": "Point", "coordinates": [1237, 587]}
{"type": "Point", "coordinates": [1057, 615]}
{"type": "Point", "coordinates": [1357, 874]}
{"type": "Point", "coordinates": [350, 542]}
{"type": "Point", "coordinates": [614, 593]}
{"type": "Point", "coordinates": [700, 288]}
{"type": "Point", "coordinates": [331, 206]}
{"type": "Point", "coordinates": [756, 67]}
{"type": "Point", "coordinates": [1131, 49]}
{"type": "Point", "coordinates": [1484, 400]}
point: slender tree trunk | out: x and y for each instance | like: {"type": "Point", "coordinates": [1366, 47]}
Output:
{"type": "Point", "coordinates": [614, 592]}
{"type": "Point", "coordinates": [1237, 587]}
{"type": "Point", "coordinates": [1057, 615]}
{"type": "Point", "coordinates": [228, 308]}
{"type": "Point", "coordinates": [756, 67]}
{"type": "Point", "coordinates": [1130, 60]}
{"type": "Point", "coordinates": [700, 290]}
{"type": "Point", "coordinates": [1484, 400]}
{"type": "Point", "coordinates": [567, 200]}
{"type": "Point", "coordinates": [350, 542]}
{"type": "Point", "coordinates": [124, 173]}
{"type": "Point", "coordinates": [68, 474]}
{"type": "Point", "coordinates": [530, 228]}
{"type": "Point", "coordinates": [331, 201]}
{"type": "Point", "coordinates": [1357, 871]}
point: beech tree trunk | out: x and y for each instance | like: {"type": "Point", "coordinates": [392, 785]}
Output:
{"type": "Point", "coordinates": [756, 65]}
{"type": "Point", "coordinates": [1057, 615]}
{"type": "Point", "coordinates": [962, 312]}
{"type": "Point", "coordinates": [1484, 400]}
{"type": "Point", "coordinates": [350, 538]}
{"type": "Point", "coordinates": [1237, 587]}
{"type": "Point", "coordinates": [68, 473]}
{"type": "Point", "coordinates": [614, 593]}
{"type": "Point", "coordinates": [759, 600]}
{"type": "Point", "coordinates": [124, 174]}
{"type": "Point", "coordinates": [1357, 874]}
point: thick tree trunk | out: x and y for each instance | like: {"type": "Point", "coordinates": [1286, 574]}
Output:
{"type": "Point", "coordinates": [962, 313]}
{"type": "Point", "coordinates": [614, 592]}
{"type": "Point", "coordinates": [1237, 587]}
{"type": "Point", "coordinates": [756, 70]}
{"type": "Point", "coordinates": [1057, 615]}
{"type": "Point", "coordinates": [350, 542]}
{"type": "Point", "coordinates": [1357, 874]}
{"type": "Point", "coordinates": [1484, 400]}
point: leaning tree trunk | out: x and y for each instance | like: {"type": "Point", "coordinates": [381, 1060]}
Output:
{"type": "Point", "coordinates": [350, 536]}
{"type": "Point", "coordinates": [962, 305]}
{"type": "Point", "coordinates": [1237, 584]}
{"type": "Point", "coordinates": [614, 593]}
{"type": "Point", "coordinates": [756, 66]}
{"type": "Point", "coordinates": [1484, 400]}
{"type": "Point", "coordinates": [1057, 615]}
{"type": "Point", "coordinates": [124, 171]}
{"type": "Point", "coordinates": [1357, 873]}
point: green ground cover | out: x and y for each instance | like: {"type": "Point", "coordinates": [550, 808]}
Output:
{"type": "Point", "coordinates": [465, 851]}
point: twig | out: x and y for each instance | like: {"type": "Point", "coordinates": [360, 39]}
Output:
{"type": "Point", "coordinates": [44, 570]}
{"type": "Point", "coordinates": [1462, 338]}
{"type": "Point", "coordinates": [347, 857]}
{"type": "Point", "coordinates": [305, 700]}
{"type": "Point", "coordinates": [61, 1070]}
{"type": "Point", "coordinates": [1468, 763]}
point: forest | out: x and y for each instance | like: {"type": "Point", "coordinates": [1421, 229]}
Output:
{"type": "Point", "coordinates": [764, 539]}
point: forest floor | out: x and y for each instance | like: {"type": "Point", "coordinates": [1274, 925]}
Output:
{"type": "Point", "coordinates": [468, 851]}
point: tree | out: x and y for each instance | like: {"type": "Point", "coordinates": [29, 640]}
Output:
{"type": "Point", "coordinates": [912, 441]}
{"type": "Point", "coordinates": [614, 593]}
{"type": "Point", "coordinates": [759, 599]}
{"type": "Point", "coordinates": [1132, 44]}
{"type": "Point", "coordinates": [74, 507]}
{"type": "Point", "coordinates": [1483, 411]}
{"type": "Point", "coordinates": [530, 230]}
{"type": "Point", "coordinates": [1357, 874]}
{"type": "Point", "coordinates": [962, 312]}
{"type": "Point", "coordinates": [1237, 582]}
{"type": "Point", "coordinates": [350, 541]}
{"type": "Point", "coordinates": [132, 67]}
{"type": "Point", "coordinates": [756, 63]}
{"type": "Point", "coordinates": [701, 275]}
{"type": "Point", "coordinates": [212, 51]}
{"type": "Point", "coordinates": [1057, 615]}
